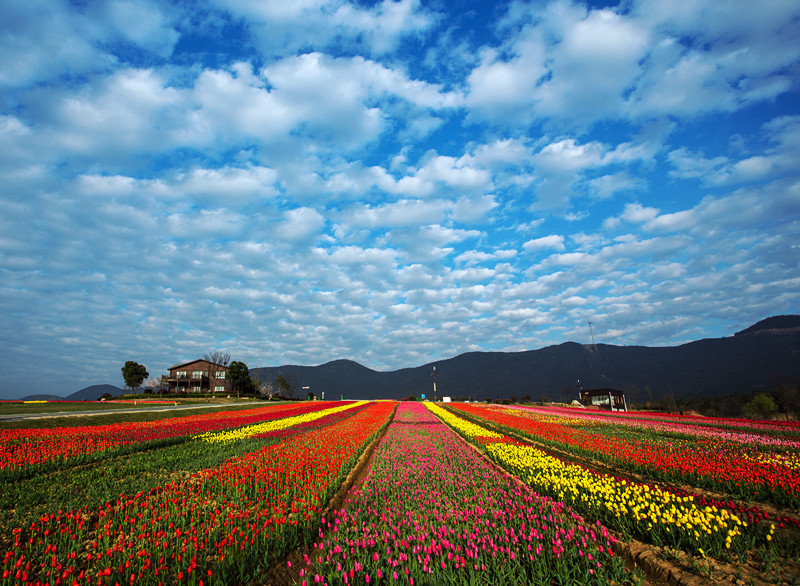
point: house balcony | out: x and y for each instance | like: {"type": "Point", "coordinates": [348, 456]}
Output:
{"type": "Point", "coordinates": [189, 378]}
{"type": "Point", "coordinates": [197, 383]}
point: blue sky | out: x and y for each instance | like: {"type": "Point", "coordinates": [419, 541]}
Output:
{"type": "Point", "coordinates": [391, 182]}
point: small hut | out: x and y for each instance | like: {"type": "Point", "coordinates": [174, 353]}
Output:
{"type": "Point", "coordinates": [611, 399]}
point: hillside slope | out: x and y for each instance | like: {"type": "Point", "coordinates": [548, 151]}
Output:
{"type": "Point", "coordinates": [740, 363]}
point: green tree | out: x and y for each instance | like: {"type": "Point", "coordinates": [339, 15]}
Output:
{"type": "Point", "coordinates": [134, 374]}
{"type": "Point", "coordinates": [240, 377]}
{"type": "Point", "coordinates": [287, 385]}
{"type": "Point", "coordinates": [760, 405]}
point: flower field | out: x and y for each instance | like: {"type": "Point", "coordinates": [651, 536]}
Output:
{"type": "Point", "coordinates": [433, 511]}
{"type": "Point", "coordinates": [26, 450]}
{"type": "Point", "coordinates": [634, 509]}
{"type": "Point", "coordinates": [543, 495]}
{"type": "Point", "coordinates": [681, 518]}
{"type": "Point", "coordinates": [220, 524]}
{"type": "Point", "coordinates": [746, 464]}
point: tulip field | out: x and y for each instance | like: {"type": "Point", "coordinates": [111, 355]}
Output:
{"type": "Point", "coordinates": [35, 450]}
{"type": "Point", "coordinates": [452, 494]}
{"type": "Point", "coordinates": [223, 523]}
{"type": "Point", "coordinates": [434, 511]}
{"type": "Point", "coordinates": [720, 490]}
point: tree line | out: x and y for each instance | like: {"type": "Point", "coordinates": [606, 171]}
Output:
{"type": "Point", "coordinates": [782, 401]}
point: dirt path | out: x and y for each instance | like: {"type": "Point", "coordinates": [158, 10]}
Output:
{"type": "Point", "coordinates": [287, 571]}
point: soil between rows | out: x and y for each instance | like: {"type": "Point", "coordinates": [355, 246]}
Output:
{"type": "Point", "coordinates": [287, 571]}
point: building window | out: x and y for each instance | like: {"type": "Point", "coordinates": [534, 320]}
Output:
{"type": "Point", "coordinates": [221, 375]}
{"type": "Point", "coordinates": [180, 374]}
{"type": "Point", "coordinates": [197, 374]}
{"type": "Point", "coordinates": [219, 389]}
{"type": "Point", "coordinates": [196, 389]}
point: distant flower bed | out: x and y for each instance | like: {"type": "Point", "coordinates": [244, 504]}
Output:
{"type": "Point", "coordinates": [22, 449]}
{"type": "Point", "coordinates": [22, 402]}
{"type": "Point", "coordinates": [148, 401]}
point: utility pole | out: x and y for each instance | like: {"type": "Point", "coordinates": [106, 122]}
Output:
{"type": "Point", "coordinates": [433, 374]}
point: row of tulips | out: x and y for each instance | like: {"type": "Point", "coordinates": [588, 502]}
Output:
{"type": "Point", "coordinates": [433, 511]}
{"type": "Point", "coordinates": [640, 510]}
{"type": "Point", "coordinates": [768, 426]}
{"type": "Point", "coordinates": [724, 467]}
{"type": "Point", "coordinates": [555, 418]}
{"type": "Point", "coordinates": [25, 451]}
{"type": "Point", "coordinates": [614, 423]}
{"type": "Point", "coordinates": [792, 427]}
{"type": "Point", "coordinates": [62, 402]}
{"type": "Point", "coordinates": [267, 427]}
{"type": "Point", "coordinates": [219, 525]}
{"type": "Point", "coordinates": [749, 447]}
{"type": "Point", "coordinates": [690, 428]}
{"type": "Point", "coordinates": [23, 500]}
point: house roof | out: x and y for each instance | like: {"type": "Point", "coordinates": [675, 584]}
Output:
{"type": "Point", "coordinates": [601, 392]}
{"type": "Point", "coordinates": [181, 365]}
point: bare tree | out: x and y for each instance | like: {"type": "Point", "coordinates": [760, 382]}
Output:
{"type": "Point", "coordinates": [287, 385]}
{"type": "Point", "coordinates": [154, 384]}
{"type": "Point", "coordinates": [787, 396]}
{"type": "Point", "coordinates": [632, 393]}
{"type": "Point", "coordinates": [218, 357]}
{"type": "Point", "coordinates": [215, 359]}
{"type": "Point", "coordinates": [265, 389]}
{"type": "Point", "coordinates": [669, 398]}
{"type": "Point", "coordinates": [293, 388]}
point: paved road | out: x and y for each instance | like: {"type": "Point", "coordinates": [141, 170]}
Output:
{"type": "Point", "coordinates": [26, 416]}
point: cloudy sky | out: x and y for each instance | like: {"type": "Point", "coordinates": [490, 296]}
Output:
{"type": "Point", "coordinates": [392, 182]}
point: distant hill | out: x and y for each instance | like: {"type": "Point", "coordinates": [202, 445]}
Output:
{"type": "Point", "coordinates": [90, 393]}
{"type": "Point", "coordinates": [94, 392]}
{"type": "Point", "coordinates": [779, 324]}
{"type": "Point", "coordinates": [736, 364]}
{"type": "Point", "coordinates": [42, 398]}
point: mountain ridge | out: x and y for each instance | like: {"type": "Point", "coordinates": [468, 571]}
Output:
{"type": "Point", "coordinates": [772, 325]}
{"type": "Point", "coordinates": [752, 359]}
{"type": "Point", "coordinates": [740, 363]}
{"type": "Point", "coordinates": [90, 393]}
